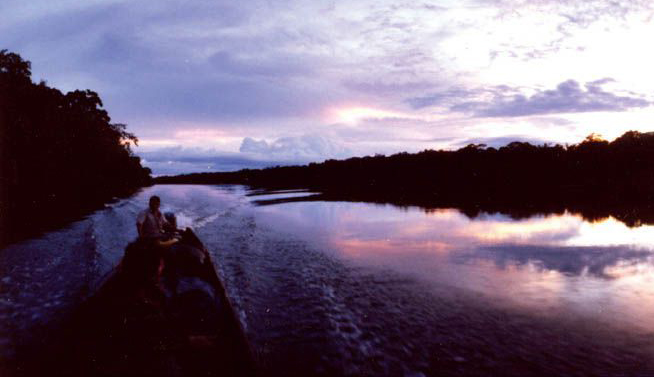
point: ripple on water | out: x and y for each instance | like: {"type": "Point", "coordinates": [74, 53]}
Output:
{"type": "Point", "coordinates": [308, 311]}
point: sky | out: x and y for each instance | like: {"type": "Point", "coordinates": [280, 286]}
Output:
{"type": "Point", "coordinates": [224, 85]}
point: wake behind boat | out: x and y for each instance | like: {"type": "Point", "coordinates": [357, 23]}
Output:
{"type": "Point", "coordinates": [163, 312]}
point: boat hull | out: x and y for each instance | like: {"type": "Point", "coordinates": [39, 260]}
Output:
{"type": "Point", "coordinates": [163, 312]}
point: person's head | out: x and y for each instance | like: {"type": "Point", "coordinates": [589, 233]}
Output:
{"type": "Point", "coordinates": [155, 202]}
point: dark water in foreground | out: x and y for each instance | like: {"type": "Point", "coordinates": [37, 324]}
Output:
{"type": "Point", "coordinates": [334, 288]}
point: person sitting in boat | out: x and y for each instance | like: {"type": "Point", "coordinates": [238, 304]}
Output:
{"type": "Point", "coordinates": [151, 223]}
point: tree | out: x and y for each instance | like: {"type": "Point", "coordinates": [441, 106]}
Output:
{"type": "Point", "coordinates": [66, 141]}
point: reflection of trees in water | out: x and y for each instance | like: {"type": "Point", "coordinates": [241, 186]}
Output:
{"type": "Point", "coordinates": [631, 214]}
{"type": "Point", "coordinates": [595, 178]}
{"type": "Point", "coordinates": [573, 261]}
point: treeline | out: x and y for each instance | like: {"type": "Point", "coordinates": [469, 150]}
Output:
{"type": "Point", "coordinates": [61, 155]}
{"type": "Point", "coordinates": [595, 177]}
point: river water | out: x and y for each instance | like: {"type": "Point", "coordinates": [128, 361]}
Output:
{"type": "Point", "coordinates": [340, 288]}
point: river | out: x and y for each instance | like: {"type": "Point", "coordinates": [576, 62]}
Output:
{"type": "Point", "coordinates": [341, 288]}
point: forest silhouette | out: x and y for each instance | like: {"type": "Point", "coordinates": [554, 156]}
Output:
{"type": "Point", "coordinates": [61, 155]}
{"type": "Point", "coordinates": [595, 178]}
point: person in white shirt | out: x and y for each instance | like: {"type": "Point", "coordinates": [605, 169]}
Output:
{"type": "Point", "coordinates": [150, 223]}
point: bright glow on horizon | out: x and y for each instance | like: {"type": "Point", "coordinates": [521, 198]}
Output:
{"type": "Point", "coordinates": [613, 232]}
{"type": "Point", "coordinates": [523, 231]}
{"type": "Point", "coordinates": [382, 76]}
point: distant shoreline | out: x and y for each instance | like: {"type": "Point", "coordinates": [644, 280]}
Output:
{"type": "Point", "coordinates": [594, 178]}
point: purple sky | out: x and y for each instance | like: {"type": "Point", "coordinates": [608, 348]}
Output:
{"type": "Point", "coordinates": [223, 85]}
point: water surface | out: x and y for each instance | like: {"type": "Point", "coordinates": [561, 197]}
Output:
{"type": "Point", "coordinates": [339, 288]}
{"type": "Point", "coordinates": [559, 264]}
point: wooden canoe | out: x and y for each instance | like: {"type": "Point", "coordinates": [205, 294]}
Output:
{"type": "Point", "coordinates": [162, 312]}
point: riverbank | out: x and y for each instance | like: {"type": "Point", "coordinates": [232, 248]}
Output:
{"type": "Point", "coordinates": [61, 157]}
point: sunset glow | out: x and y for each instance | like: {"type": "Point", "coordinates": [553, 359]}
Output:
{"type": "Point", "coordinates": [340, 188]}
{"type": "Point", "coordinates": [350, 79]}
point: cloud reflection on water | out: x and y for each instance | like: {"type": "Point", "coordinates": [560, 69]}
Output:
{"type": "Point", "coordinates": [571, 261]}
{"type": "Point", "coordinates": [556, 264]}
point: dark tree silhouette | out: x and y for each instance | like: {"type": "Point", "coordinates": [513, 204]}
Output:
{"type": "Point", "coordinates": [596, 178]}
{"type": "Point", "coordinates": [61, 155]}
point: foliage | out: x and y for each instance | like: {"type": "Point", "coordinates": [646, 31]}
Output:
{"type": "Point", "coordinates": [596, 177]}
{"type": "Point", "coordinates": [60, 153]}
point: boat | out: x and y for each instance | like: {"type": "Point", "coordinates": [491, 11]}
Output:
{"type": "Point", "coordinates": [162, 312]}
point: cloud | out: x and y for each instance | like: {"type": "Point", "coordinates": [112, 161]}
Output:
{"type": "Point", "coordinates": [387, 86]}
{"type": "Point", "coordinates": [501, 141]}
{"type": "Point", "coordinates": [568, 97]}
{"type": "Point", "coordinates": [263, 66]}
{"type": "Point", "coordinates": [250, 145]}
{"type": "Point", "coordinates": [194, 61]}
{"type": "Point", "coordinates": [253, 154]}
{"type": "Point", "coordinates": [298, 148]}
{"type": "Point", "coordinates": [443, 97]}
{"type": "Point", "coordinates": [578, 13]}
{"type": "Point", "coordinates": [582, 14]}
{"type": "Point", "coordinates": [177, 160]}
{"type": "Point", "coordinates": [555, 25]}
{"type": "Point", "coordinates": [267, 69]}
